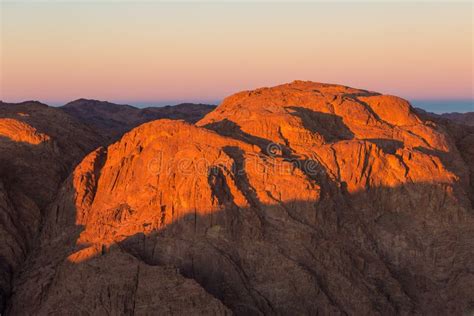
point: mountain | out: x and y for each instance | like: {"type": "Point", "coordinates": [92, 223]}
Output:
{"type": "Point", "coordinates": [113, 120]}
{"type": "Point", "coordinates": [459, 118]}
{"type": "Point", "coordinates": [460, 126]}
{"type": "Point", "coordinates": [304, 198]}
{"type": "Point", "coordinates": [39, 147]}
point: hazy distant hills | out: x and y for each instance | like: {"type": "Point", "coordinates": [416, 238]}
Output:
{"type": "Point", "coordinates": [460, 118]}
{"type": "Point", "coordinates": [112, 120]}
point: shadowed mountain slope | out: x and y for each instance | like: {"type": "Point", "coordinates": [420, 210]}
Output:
{"type": "Point", "coordinates": [461, 129]}
{"type": "Point", "coordinates": [39, 147]}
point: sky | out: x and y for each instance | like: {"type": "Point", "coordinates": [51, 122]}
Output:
{"type": "Point", "coordinates": [158, 52]}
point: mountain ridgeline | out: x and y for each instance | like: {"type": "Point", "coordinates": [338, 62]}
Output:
{"type": "Point", "coordinates": [113, 120]}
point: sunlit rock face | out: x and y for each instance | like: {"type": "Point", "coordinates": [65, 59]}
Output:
{"type": "Point", "coordinates": [304, 198]}
{"type": "Point", "coordinates": [18, 131]}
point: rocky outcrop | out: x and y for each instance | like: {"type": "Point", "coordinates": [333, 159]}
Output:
{"type": "Point", "coordinates": [304, 198]}
{"type": "Point", "coordinates": [99, 278]}
{"type": "Point", "coordinates": [113, 120]}
{"type": "Point", "coordinates": [17, 131]}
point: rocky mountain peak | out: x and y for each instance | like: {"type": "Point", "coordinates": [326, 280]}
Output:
{"type": "Point", "coordinates": [304, 198]}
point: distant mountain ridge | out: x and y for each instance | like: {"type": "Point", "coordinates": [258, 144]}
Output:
{"type": "Point", "coordinates": [460, 118]}
{"type": "Point", "coordinates": [113, 120]}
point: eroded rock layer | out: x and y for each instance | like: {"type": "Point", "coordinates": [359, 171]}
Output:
{"type": "Point", "coordinates": [304, 198]}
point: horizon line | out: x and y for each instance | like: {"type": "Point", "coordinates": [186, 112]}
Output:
{"type": "Point", "coordinates": [422, 103]}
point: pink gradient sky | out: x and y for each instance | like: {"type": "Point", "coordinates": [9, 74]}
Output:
{"type": "Point", "coordinates": [164, 52]}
